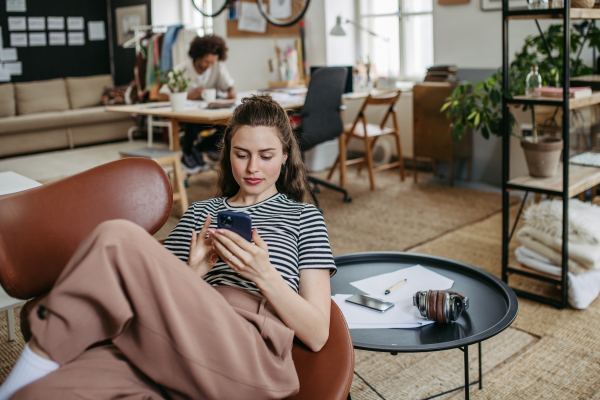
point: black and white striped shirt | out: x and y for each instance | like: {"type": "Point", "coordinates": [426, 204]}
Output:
{"type": "Point", "coordinates": [295, 233]}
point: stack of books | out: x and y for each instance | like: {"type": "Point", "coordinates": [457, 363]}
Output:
{"type": "Point", "coordinates": [441, 73]}
{"type": "Point", "coordinates": [557, 92]}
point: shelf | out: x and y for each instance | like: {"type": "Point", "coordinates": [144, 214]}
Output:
{"type": "Point", "coordinates": [552, 13]}
{"type": "Point", "coordinates": [518, 268]}
{"type": "Point", "coordinates": [581, 178]}
{"type": "Point", "coordinates": [553, 101]}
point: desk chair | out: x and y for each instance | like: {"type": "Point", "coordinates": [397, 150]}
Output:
{"type": "Point", "coordinates": [321, 117]}
{"type": "Point", "coordinates": [370, 133]}
{"type": "Point", "coordinates": [136, 189]}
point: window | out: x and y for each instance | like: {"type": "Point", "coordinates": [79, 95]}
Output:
{"type": "Point", "coordinates": [192, 18]}
{"type": "Point", "coordinates": [403, 47]}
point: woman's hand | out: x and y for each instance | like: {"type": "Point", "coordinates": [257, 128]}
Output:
{"type": "Point", "coordinates": [202, 256]}
{"type": "Point", "coordinates": [248, 260]}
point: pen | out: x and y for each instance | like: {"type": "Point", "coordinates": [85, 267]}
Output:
{"type": "Point", "coordinates": [396, 286]}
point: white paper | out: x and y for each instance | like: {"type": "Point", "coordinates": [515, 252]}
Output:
{"type": "Point", "coordinates": [75, 23]}
{"type": "Point", "coordinates": [250, 19]}
{"type": "Point", "coordinates": [14, 68]}
{"type": "Point", "coordinates": [56, 23]}
{"type": "Point", "coordinates": [18, 40]}
{"type": "Point", "coordinates": [8, 54]}
{"type": "Point", "coordinates": [37, 39]}
{"type": "Point", "coordinates": [417, 278]}
{"type": "Point", "coordinates": [16, 6]}
{"type": "Point", "coordinates": [402, 315]}
{"type": "Point", "coordinates": [36, 23]}
{"type": "Point", "coordinates": [11, 182]}
{"type": "Point", "coordinates": [17, 24]}
{"type": "Point", "coordinates": [4, 75]}
{"type": "Point", "coordinates": [57, 38]}
{"type": "Point", "coordinates": [76, 39]}
{"type": "Point", "coordinates": [96, 30]}
{"type": "Point", "coordinates": [280, 8]}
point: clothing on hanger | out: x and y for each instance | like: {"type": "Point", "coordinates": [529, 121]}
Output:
{"type": "Point", "coordinates": [169, 39]}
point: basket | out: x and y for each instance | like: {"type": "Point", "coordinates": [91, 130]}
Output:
{"type": "Point", "coordinates": [582, 3]}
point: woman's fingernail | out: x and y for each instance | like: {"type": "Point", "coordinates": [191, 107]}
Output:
{"type": "Point", "coordinates": [221, 231]}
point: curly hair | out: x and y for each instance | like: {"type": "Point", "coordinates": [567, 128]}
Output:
{"type": "Point", "coordinates": [262, 110]}
{"type": "Point", "coordinates": [211, 44]}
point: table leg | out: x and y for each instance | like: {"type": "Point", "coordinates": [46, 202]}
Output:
{"type": "Point", "coordinates": [175, 131]}
{"type": "Point", "coordinates": [466, 356]}
{"type": "Point", "coordinates": [480, 375]}
{"type": "Point", "coordinates": [150, 131]}
{"type": "Point", "coordinates": [10, 317]}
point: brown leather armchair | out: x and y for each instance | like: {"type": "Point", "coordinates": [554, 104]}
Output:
{"type": "Point", "coordinates": [42, 227]}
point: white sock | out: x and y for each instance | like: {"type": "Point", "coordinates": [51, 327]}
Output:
{"type": "Point", "coordinates": [29, 367]}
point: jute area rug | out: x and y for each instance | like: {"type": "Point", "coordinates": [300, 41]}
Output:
{"type": "Point", "coordinates": [395, 217]}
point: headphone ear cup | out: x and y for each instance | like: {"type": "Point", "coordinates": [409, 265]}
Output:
{"type": "Point", "coordinates": [431, 303]}
{"type": "Point", "coordinates": [441, 302]}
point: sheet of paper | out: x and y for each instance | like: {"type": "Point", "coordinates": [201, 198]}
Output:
{"type": "Point", "coordinates": [76, 39]}
{"type": "Point", "coordinates": [280, 8]}
{"type": "Point", "coordinates": [250, 19]}
{"type": "Point", "coordinates": [75, 23]}
{"type": "Point", "coordinates": [37, 39]}
{"type": "Point", "coordinates": [56, 23]}
{"type": "Point", "coordinates": [57, 38]}
{"type": "Point", "coordinates": [17, 24]}
{"type": "Point", "coordinates": [11, 182]}
{"type": "Point", "coordinates": [417, 278]}
{"type": "Point", "coordinates": [8, 54]}
{"type": "Point", "coordinates": [36, 23]}
{"type": "Point", "coordinates": [18, 40]}
{"type": "Point", "coordinates": [14, 68]}
{"type": "Point", "coordinates": [4, 75]}
{"type": "Point", "coordinates": [16, 6]}
{"type": "Point", "coordinates": [96, 30]}
{"type": "Point", "coordinates": [402, 315]}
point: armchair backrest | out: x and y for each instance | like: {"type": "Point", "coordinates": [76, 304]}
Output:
{"type": "Point", "coordinates": [41, 228]}
{"type": "Point", "coordinates": [321, 117]}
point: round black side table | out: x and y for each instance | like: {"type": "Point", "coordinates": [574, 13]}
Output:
{"type": "Point", "coordinates": [493, 305]}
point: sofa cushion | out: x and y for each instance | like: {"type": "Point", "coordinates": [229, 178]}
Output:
{"type": "Point", "coordinates": [7, 100]}
{"type": "Point", "coordinates": [60, 119]}
{"type": "Point", "coordinates": [41, 96]}
{"type": "Point", "coordinates": [87, 91]}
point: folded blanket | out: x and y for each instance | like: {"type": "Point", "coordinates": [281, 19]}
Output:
{"type": "Point", "coordinates": [583, 289]}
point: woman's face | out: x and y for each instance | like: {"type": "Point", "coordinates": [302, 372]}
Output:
{"type": "Point", "coordinates": [256, 159]}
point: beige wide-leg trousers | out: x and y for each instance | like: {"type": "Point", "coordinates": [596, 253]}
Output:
{"type": "Point", "coordinates": [173, 335]}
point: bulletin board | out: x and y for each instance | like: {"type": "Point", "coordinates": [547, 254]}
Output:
{"type": "Point", "coordinates": [86, 54]}
{"type": "Point", "coordinates": [234, 32]}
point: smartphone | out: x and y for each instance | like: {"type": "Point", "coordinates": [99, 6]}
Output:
{"type": "Point", "coordinates": [370, 302]}
{"type": "Point", "coordinates": [239, 223]}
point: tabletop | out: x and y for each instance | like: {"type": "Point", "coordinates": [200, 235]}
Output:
{"type": "Point", "coordinates": [493, 305]}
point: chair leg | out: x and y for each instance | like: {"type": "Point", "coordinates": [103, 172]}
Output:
{"type": "Point", "coordinates": [178, 178]}
{"type": "Point", "coordinates": [342, 157]}
{"type": "Point", "coordinates": [400, 158]}
{"type": "Point", "coordinates": [370, 161]}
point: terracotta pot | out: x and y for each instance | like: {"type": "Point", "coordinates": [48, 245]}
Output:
{"type": "Point", "coordinates": [543, 157]}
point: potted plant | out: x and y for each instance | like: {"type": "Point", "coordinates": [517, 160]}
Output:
{"type": "Point", "coordinates": [480, 106]}
{"type": "Point", "coordinates": [177, 85]}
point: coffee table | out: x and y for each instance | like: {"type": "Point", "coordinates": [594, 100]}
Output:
{"type": "Point", "coordinates": [493, 306]}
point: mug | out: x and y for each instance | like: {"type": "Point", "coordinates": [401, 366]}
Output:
{"type": "Point", "coordinates": [209, 95]}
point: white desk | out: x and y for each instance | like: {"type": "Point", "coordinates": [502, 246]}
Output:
{"type": "Point", "coordinates": [11, 182]}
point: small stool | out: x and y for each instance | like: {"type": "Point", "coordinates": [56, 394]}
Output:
{"type": "Point", "coordinates": [165, 158]}
{"type": "Point", "coordinates": [8, 304]}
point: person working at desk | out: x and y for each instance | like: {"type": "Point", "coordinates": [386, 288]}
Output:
{"type": "Point", "coordinates": [205, 69]}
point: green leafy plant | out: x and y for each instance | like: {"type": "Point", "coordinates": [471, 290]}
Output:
{"type": "Point", "coordinates": [173, 79]}
{"type": "Point", "coordinates": [480, 106]}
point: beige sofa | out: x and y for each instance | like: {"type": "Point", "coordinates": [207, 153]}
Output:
{"type": "Point", "coordinates": [57, 114]}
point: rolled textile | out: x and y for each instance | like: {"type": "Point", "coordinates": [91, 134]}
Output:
{"type": "Point", "coordinates": [534, 260]}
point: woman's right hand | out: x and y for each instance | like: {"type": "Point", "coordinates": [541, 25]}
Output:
{"type": "Point", "coordinates": [202, 257]}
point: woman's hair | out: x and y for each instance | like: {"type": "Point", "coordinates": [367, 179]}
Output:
{"type": "Point", "coordinates": [211, 44]}
{"type": "Point", "coordinates": [262, 110]}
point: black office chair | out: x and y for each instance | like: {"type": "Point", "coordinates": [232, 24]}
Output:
{"type": "Point", "coordinates": [321, 118]}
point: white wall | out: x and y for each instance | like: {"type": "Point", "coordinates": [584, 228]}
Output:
{"type": "Point", "coordinates": [165, 12]}
{"type": "Point", "coordinates": [341, 50]}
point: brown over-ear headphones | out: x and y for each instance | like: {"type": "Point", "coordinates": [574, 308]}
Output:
{"type": "Point", "coordinates": [440, 305]}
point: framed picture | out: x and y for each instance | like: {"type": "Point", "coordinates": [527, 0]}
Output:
{"type": "Point", "coordinates": [495, 5]}
{"type": "Point", "coordinates": [128, 17]}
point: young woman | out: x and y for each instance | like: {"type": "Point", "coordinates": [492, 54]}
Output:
{"type": "Point", "coordinates": [128, 319]}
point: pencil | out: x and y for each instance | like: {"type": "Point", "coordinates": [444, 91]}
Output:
{"type": "Point", "coordinates": [396, 286]}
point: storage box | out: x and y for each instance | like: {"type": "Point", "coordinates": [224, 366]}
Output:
{"type": "Point", "coordinates": [322, 156]}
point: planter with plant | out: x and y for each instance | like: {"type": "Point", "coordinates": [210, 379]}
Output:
{"type": "Point", "coordinates": [480, 106]}
{"type": "Point", "coordinates": [177, 85]}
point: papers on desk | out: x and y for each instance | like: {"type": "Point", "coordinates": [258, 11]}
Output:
{"type": "Point", "coordinates": [403, 314]}
{"type": "Point", "coordinates": [11, 182]}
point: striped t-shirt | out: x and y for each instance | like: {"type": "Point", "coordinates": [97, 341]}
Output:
{"type": "Point", "coordinates": [295, 233]}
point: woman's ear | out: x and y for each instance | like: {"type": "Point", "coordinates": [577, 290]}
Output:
{"type": "Point", "coordinates": [285, 157]}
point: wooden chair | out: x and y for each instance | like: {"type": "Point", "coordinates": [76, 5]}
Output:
{"type": "Point", "coordinates": [370, 133]}
{"type": "Point", "coordinates": [64, 212]}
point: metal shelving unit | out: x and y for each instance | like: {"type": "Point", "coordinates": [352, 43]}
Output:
{"type": "Point", "coordinates": [578, 179]}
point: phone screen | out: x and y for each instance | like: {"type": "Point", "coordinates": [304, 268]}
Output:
{"type": "Point", "coordinates": [370, 302]}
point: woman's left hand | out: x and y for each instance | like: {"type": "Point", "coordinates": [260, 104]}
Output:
{"type": "Point", "coordinates": [249, 260]}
